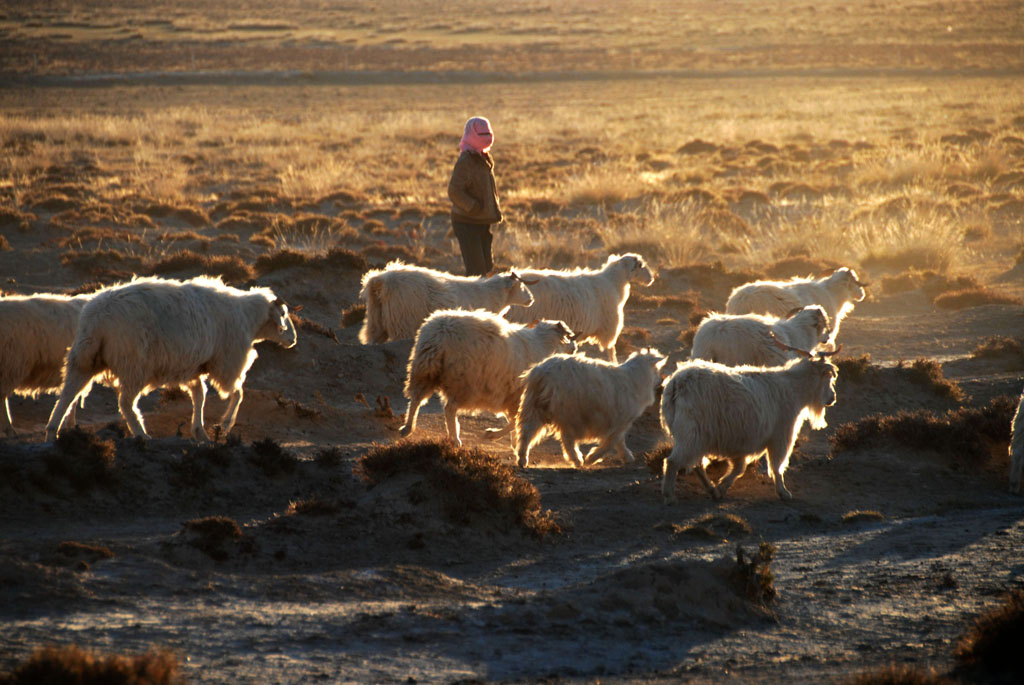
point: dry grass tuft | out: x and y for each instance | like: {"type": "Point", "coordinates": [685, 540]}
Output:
{"type": "Point", "coordinates": [329, 457]}
{"type": "Point", "coordinates": [974, 297]}
{"type": "Point", "coordinates": [898, 674]}
{"type": "Point", "coordinates": [210, 535]}
{"type": "Point", "coordinates": [1000, 347]}
{"type": "Point", "coordinates": [854, 368]}
{"type": "Point", "coordinates": [72, 664]}
{"type": "Point", "coordinates": [862, 516]}
{"type": "Point", "coordinates": [335, 258]}
{"type": "Point", "coordinates": [714, 527]}
{"type": "Point", "coordinates": [83, 459]}
{"type": "Point", "coordinates": [470, 483]}
{"type": "Point", "coordinates": [272, 459]}
{"type": "Point", "coordinates": [188, 263]}
{"type": "Point", "coordinates": [988, 651]}
{"type": "Point", "coordinates": [753, 575]}
{"type": "Point", "coordinates": [353, 315]}
{"type": "Point", "coordinates": [927, 373]}
{"type": "Point", "coordinates": [312, 506]}
{"type": "Point", "coordinates": [967, 435]}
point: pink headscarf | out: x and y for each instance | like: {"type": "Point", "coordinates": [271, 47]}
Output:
{"type": "Point", "coordinates": [478, 136]}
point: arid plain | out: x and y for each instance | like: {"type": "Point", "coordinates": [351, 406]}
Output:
{"type": "Point", "coordinates": [298, 145]}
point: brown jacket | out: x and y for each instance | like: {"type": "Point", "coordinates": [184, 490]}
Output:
{"type": "Point", "coordinates": [472, 190]}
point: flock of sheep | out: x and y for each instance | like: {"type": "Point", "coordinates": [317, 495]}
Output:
{"type": "Point", "coordinates": [505, 343]}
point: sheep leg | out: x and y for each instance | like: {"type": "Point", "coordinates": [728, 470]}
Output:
{"type": "Point", "coordinates": [128, 403]}
{"type": "Point", "coordinates": [451, 422]}
{"type": "Point", "coordinates": [227, 422]}
{"type": "Point", "coordinates": [669, 469]}
{"type": "Point", "coordinates": [702, 474]}
{"type": "Point", "coordinates": [525, 436]}
{"type": "Point", "coordinates": [731, 475]}
{"type": "Point", "coordinates": [74, 383]}
{"type": "Point", "coordinates": [197, 389]}
{"type": "Point", "coordinates": [571, 450]}
{"type": "Point", "coordinates": [5, 419]}
{"type": "Point", "coordinates": [417, 396]}
{"type": "Point", "coordinates": [778, 458]}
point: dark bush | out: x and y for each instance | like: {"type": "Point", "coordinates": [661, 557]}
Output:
{"type": "Point", "coordinates": [469, 483]}
{"type": "Point", "coordinates": [988, 651]}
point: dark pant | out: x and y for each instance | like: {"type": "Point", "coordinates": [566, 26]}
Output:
{"type": "Point", "coordinates": [475, 243]}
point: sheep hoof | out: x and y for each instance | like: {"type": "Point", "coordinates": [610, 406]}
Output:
{"type": "Point", "coordinates": [785, 495]}
{"type": "Point", "coordinates": [523, 462]}
{"type": "Point", "coordinates": [404, 431]}
{"type": "Point", "coordinates": [492, 433]}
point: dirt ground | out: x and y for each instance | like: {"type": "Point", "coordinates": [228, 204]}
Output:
{"type": "Point", "coordinates": [380, 587]}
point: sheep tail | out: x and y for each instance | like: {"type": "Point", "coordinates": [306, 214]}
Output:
{"type": "Point", "coordinates": [373, 330]}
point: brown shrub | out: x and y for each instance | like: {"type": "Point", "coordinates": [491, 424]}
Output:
{"type": "Point", "coordinates": [987, 652]}
{"type": "Point", "coordinates": [312, 506]}
{"type": "Point", "coordinates": [12, 218]}
{"type": "Point", "coordinates": [998, 346]}
{"type": "Point", "coordinates": [212, 533]}
{"type": "Point", "coordinates": [928, 374]}
{"type": "Point", "coordinates": [4, 245]}
{"type": "Point", "coordinates": [229, 267]}
{"type": "Point", "coordinates": [898, 674]}
{"type": "Point", "coordinates": [99, 263]}
{"type": "Point", "coordinates": [469, 483]}
{"type": "Point", "coordinates": [753, 575]}
{"type": "Point", "coordinates": [921, 258]}
{"type": "Point", "coordinates": [974, 297]}
{"type": "Point", "coordinates": [72, 664]}
{"type": "Point", "coordinates": [272, 459]}
{"type": "Point", "coordinates": [82, 458]}
{"type": "Point", "coordinates": [967, 434]}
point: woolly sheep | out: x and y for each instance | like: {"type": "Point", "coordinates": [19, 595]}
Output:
{"type": "Point", "coordinates": [475, 361]}
{"type": "Point", "coordinates": [836, 294]}
{"type": "Point", "coordinates": [737, 413]}
{"type": "Point", "coordinates": [399, 298]}
{"type": "Point", "coordinates": [35, 334]}
{"type": "Point", "coordinates": [1017, 447]}
{"type": "Point", "coordinates": [152, 332]}
{"type": "Point", "coordinates": [749, 339]}
{"type": "Point", "coordinates": [581, 398]}
{"type": "Point", "coordinates": [589, 301]}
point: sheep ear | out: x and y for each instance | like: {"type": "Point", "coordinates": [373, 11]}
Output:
{"type": "Point", "coordinates": [296, 309]}
{"type": "Point", "coordinates": [533, 324]}
{"type": "Point", "coordinates": [793, 312]}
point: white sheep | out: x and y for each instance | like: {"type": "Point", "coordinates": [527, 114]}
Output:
{"type": "Point", "coordinates": [836, 294]}
{"type": "Point", "coordinates": [1017, 447]}
{"type": "Point", "coordinates": [152, 332]}
{"type": "Point", "coordinates": [749, 339]}
{"type": "Point", "coordinates": [579, 398]}
{"type": "Point", "coordinates": [475, 361]}
{"type": "Point", "coordinates": [35, 334]}
{"type": "Point", "coordinates": [589, 301]}
{"type": "Point", "coordinates": [401, 296]}
{"type": "Point", "coordinates": [737, 413]}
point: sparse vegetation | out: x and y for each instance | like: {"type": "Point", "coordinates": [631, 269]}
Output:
{"type": "Point", "coordinates": [987, 652]}
{"type": "Point", "coordinates": [753, 574]}
{"type": "Point", "coordinates": [965, 434]}
{"type": "Point", "coordinates": [928, 374]}
{"type": "Point", "coordinates": [272, 459]}
{"type": "Point", "coordinates": [862, 516]}
{"type": "Point", "coordinates": [470, 483]}
{"type": "Point", "coordinates": [83, 459]}
{"type": "Point", "coordinates": [72, 664]}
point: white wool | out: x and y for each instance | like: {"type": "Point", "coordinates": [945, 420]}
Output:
{"type": "Point", "coordinates": [747, 339]}
{"type": "Point", "coordinates": [35, 333]}
{"type": "Point", "coordinates": [578, 398]}
{"type": "Point", "coordinates": [152, 332]}
{"type": "Point", "coordinates": [737, 413]}
{"type": "Point", "coordinates": [589, 301]}
{"type": "Point", "coordinates": [475, 361]}
{"type": "Point", "coordinates": [399, 298]}
{"type": "Point", "coordinates": [836, 294]}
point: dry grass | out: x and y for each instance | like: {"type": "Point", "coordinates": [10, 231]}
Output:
{"type": "Point", "coordinates": [72, 664]}
{"type": "Point", "coordinates": [470, 483]}
{"type": "Point", "coordinates": [987, 652]}
{"type": "Point", "coordinates": [967, 435]}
